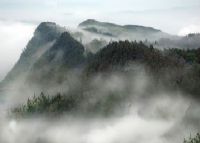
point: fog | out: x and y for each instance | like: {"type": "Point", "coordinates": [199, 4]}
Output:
{"type": "Point", "coordinates": [189, 29]}
{"type": "Point", "coordinates": [14, 37]}
{"type": "Point", "coordinates": [143, 111]}
{"type": "Point", "coordinates": [144, 114]}
{"type": "Point", "coordinates": [128, 128]}
{"type": "Point", "coordinates": [21, 32]}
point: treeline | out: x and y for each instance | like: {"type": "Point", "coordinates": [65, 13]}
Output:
{"type": "Point", "coordinates": [45, 104]}
{"type": "Point", "coordinates": [79, 103]}
{"type": "Point", "coordinates": [174, 68]}
{"type": "Point", "coordinates": [123, 52]}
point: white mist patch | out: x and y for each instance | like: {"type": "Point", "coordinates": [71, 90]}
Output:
{"type": "Point", "coordinates": [147, 118]}
{"type": "Point", "coordinates": [14, 37]}
{"type": "Point", "coordinates": [127, 128]}
{"type": "Point", "coordinates": [193, 28]}
{"type": "Point", "coordinates": [130, 129]}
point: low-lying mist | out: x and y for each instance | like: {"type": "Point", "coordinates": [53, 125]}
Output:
{"type": "Point", "coordinates": [145, 113]}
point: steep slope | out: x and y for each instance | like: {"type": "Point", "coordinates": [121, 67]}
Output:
{"type": "Point", "coordinates": [130, 32]}
{"type": "Point", "coordinates": [44, 37]}
{"type": "Point", "coordinates": [66, 51]}
{"type": "Point", "coordinates": [66, 54]}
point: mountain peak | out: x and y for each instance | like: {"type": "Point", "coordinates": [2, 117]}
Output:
{"type": "Point", "coordinates": [45, 26]}
{"type": "Point", "coordinates": [88, 22]}
{"type": "Point", "coordinates": [49, 30]}
{"type": "Point", "coordinates": [93, 22]}
{"type": "Point", "coordinates": [66, 42]}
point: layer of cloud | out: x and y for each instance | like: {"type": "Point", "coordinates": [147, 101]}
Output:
{"type": "Point", "coordinates": [189, 29]}
{"type": "Point", "coordinates": [129, 128]}
{"type": "Point", "coordinates": [168, 16]}
{"type": "Point", "coordinates": [14, 37]}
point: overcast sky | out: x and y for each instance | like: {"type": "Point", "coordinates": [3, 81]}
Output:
{"type": "Point", "coordinates": [168, 15]}
{"type": "Point", "coordinates": [18, 18]}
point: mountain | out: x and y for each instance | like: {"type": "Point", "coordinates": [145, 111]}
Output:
{"type": "Point", "coordinates": [44, 37]}
{"type": "Point", "coordinates": [66, 51]}
{"type": "Point", "coordinates": [175, 69]}
{"type": "Point", "coordinates": [108, 78]}
{"type": "Point", "coordinates": [65, 54]}
{"type": "Point", "coordinates": [119, 55]}
{"type": "Point", "coordinates": [52, 53]}
{"type": "Point", "coordinates": [113, 32]}
{"type": "Point", "coordinates": [122, 77]}
{"type": "Point", "coordinates": [130, 32]}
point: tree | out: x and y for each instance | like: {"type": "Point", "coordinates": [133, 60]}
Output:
{"type": "Point", "coordinates": [195, 139]}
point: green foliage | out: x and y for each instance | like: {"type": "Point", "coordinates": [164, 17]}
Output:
{"type": "Point", "coordinates": [195, 139]}
{"type": "Point", "coordinates": [62, 103]}
{"type": "Point", "coordinates": [116, 54]}
{"type": "Point", "coordinates": [173, 68]}
{"type": "Point", "coordinates": [46, 104]}
{"type": "Point", "coordinates": [189, 55]}
{"type": "Point", "coordinates": [119, 54]}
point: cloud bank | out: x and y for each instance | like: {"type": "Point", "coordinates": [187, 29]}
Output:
{"type": "Point", "coordinates": [193, 28]}
{"type": "Point", "coordinates": [14, 37]}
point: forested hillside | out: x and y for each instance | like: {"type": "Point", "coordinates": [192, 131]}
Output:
{"type": "Point", "coordinates": [171, 69]}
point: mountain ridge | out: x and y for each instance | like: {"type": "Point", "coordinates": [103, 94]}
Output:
{"type": "Point", "coordinates": [52, 45]}
{"type": "Point", "coordinates": [130, 32]}
{"type": "Point", "coordinates": [93, 21]}
{"type": "Point", "coordinates": [44, 37]}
